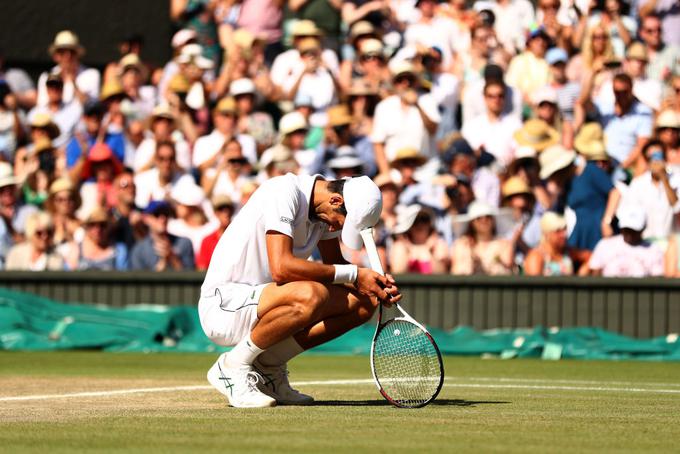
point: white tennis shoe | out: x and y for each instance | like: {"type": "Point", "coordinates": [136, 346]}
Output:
{"type": "Point", "coordinates": [277, 386]}
{"type": "Point", "coordinates": [239, 385]}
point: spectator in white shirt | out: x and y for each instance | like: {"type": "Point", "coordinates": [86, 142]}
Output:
{"type": "Point", "coordinates": [626, 254]}
{"type": "Point", "coordinates": [206, 148]}
{"type": "Point", "coordinates": [163, 128]}
{"type": "Point", "coordinates": [157, 182]}
{"type": "Point", "coordinates": [433, 31]}
{"type": "Point", "coordinates": [473, 98]}
{"type": "Point", "coordinates": [230, 175]}
{"type": "Point", "coordinates": [405, 119]}
{"type": "Point", "coordinates": [80, 83]}
{"type": "Point", "coordinates": [492, 131]}
{"type": "Point", "coordinates": [311, 79]}
{"type": "Point", "coordinates": [656, 191]}
{"type": "Point", "coordinates": [65, 114]}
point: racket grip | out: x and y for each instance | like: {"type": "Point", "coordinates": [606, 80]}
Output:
{"type": "Point", "coordinates": [372, 250]}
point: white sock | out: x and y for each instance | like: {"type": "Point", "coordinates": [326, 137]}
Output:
{"type": "Point", "coordinates": [281, 353]}
{"type": "Point", "coordinates": [243, 354]}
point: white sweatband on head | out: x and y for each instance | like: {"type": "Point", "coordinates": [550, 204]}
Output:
{"type": "Point", "coordinates": [345, 274]}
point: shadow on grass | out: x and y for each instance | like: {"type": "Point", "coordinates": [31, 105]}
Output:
{"type": "Point", "coordinates": [384, 403]}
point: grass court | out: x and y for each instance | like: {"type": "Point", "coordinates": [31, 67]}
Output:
{"type": "Point", "coordinates": [106, 402]}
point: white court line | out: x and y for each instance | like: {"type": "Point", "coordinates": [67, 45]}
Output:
{"type": "Point", "coordinates": [449, 383]}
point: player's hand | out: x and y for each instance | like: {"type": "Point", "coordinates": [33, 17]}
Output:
{"type": "Point", "coordinates": [373, 284]}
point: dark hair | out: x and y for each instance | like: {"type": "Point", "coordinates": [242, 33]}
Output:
{"type": "Point", "coordinates": [337, 187]}
{"type": "Point", "coordinates": [650, 144]}
{"type": "Point", "coordinates": [491, 83]}
{"type": "Point", "coordinates": [166, 143]}
{"type": "Point", "coordinates": [625, 78]}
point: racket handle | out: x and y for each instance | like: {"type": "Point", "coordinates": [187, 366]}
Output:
{"type": "Point", "coordinates": [372, 250]}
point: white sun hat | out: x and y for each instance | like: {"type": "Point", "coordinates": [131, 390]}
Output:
{"type": "Point", "coordinates": [188, 194]}
{"type": "Point", "coordinates": [363, 202]}
{"type": "Point", "coordinates": [291, 122]}
{"type": "Point", "coordinates": [555, 158]}
{"type": "Point", "coordinates": [632, 217]}
{"type": "Point", "coordinates": [345, 158]}
{"type": "Point", "coordinates": [243, 86]}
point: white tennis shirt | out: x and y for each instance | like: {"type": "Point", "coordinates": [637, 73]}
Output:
{"type": "Point", "coordinates": [281, 204]}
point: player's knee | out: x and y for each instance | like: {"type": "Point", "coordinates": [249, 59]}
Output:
{"type": "Point", "coordinates": [310, 298]}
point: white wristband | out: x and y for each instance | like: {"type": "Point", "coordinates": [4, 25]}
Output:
{"type": "Point", "coordinates": [345, 274]}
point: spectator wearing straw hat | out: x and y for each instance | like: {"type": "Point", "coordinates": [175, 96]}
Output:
{"type": "Point", "coordinates": [311, 79]}
{"type": "Point", "coordinates": [96, 249]}
{"type": "Point", "coordinates": [37, 252]}
{"type": "Point", "coordinates": [65, 114]}
{"type": "Point", "coordinates": [418, 248]}
{"type": "Point", "coordinates": [405, 119]}
{"type": "Point", "coordinates": [141, 97]}
{"type": "Point", "coordinates": [224, 207]}
{"type": "Point", "coordinates": [62, 204]}
{"type": "Point", "coordinates": [405, 164]}
{"type": "Point", "coordinates": [526, 214]}
{"type": "Point", "coordinates": [159, 250]}
{"type": "Point", "coordinates": [80, 83]}
{"type": "Point", "coordinates": [551, 256]}
{"type": "Point", "coordinates": [590, 190]}
{"type": "Point", "coordinates": [13, 213]}
{"type": "Point", "coordinates": [626, 254]}
{"type": "Point", "coordinates": [493, 130]}
{"type": "Point", "coordinates": [480, 250]}
{"type": "Point", "coordinates": [157, 182]}
{"type": "Point", "coordinates": [38, 171]}
{"type": "Point", "coordinates": [290, 62]}
{"type": "Point", "coordinates": [668, 133]}
{"type": "Point", "coordinates": [537, 134]}
{"type": "Point", "coordinates": [207, 148]}
{"type": "Point", "coordinates": [369, 68]}
{"type": "Point", "coordinates": [163, 127]}
{"type": "Point", "coordinates": [557, 171]}
{"type": "Point", "coordinates": [41, 127]}
{"type": "Point", "coordinates": [293, 129]}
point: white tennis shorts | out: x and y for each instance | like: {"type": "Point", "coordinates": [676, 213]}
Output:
{"type": "Point", "coordinates": [230, 313]}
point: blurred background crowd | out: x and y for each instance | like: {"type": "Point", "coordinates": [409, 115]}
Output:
{"type": "Point", "coordinates": [507, 137]}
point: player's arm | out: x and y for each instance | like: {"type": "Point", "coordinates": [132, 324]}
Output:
{"type": "Point", "coordinates": [285, 267]}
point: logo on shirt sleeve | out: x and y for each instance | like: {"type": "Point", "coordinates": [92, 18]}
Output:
{"type": "Point", "coordinates": [286, 220]}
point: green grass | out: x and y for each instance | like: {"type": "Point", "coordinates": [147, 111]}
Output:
{"type": "Point", "coordinates": [485, 406]}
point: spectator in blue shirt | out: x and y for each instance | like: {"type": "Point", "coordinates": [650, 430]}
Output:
{"type": "Point", "coordinates": [93, 115]}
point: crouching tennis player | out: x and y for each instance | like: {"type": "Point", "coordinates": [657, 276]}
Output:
{"type": "Point", "coordinates": [262, 295]}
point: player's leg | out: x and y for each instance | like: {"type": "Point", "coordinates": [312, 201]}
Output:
{"type": "Point", "coordinates": [343, 311]}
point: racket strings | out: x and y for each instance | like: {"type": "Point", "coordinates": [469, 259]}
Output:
{"type": "Point", "coordinates": [406, 363]}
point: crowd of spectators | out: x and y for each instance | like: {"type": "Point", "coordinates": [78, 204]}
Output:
{"type": "Point", "coordinates": [507, 137]}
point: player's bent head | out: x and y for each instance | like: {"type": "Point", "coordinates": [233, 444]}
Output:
{"type": "Point", "coordinates": [363, 205]}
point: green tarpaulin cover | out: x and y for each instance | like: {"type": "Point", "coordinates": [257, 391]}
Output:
{"type": "Point", "coordinates": [29, 322]}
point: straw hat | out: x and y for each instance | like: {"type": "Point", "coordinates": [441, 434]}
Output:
{"type": "Point", "coordinates": [360, 28]}
{"type": "Point", "coordinates": [371, 47]}
{"type": "Point", "coordinates": [590, 142]}
{"type": "Point", "coordinates": [60, 185]}
{"type": "Point", "coordinates": [553, 159]}
{"type": "Point", "coordinates": [132, 61]}
{"type": "Point", "coordinates": [66, 39]}
{"type": "Point", "coordinates": [536, 134]}
{"type": "Point", "coordinates": [244, 39]}
{"type": "Point", "coordinates": [305, 28]}
{"type": "Point", "coordinates": [291, 122]}
{"type": "Point", "coordinates": [338, 115]}
{"type": "Point", "coordinates": [226, 105]}
{"type": "Point", "coordinates": [7, 177]}
{"type": "Point", "coordinates": [110, 89]}
{"type": "Point", "coordinates": [398, 67]}
{"type": "Point", "coordinates": [308, 44]}
{"type": "Point", "coordinates": [514, 186]}
{"type": "Point", "coordinates": [43, 120]}
{"type": "Point", "coordinates": [408, 154]}
{"type": "Point", "coordinates": [220, 200]}
{"type": "Point", "coordinates": [668, 119]}
{"type": "Point", "coordinates": [637, 51]}
{"type": "Point", "coordinates": [383, 180]}
{"type": "Point", "coordinates": [98, 214]}
{"type": "Point", "coordinates": [179, 84]}
{"type": "Point", "coordinates": [162, 110]}
{"type": "Point", "coordinates": [552, 222]}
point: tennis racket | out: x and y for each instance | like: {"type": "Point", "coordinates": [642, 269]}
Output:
{"type": "Point", "coordinates": [405, 360]}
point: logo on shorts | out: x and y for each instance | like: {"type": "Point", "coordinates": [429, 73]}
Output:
{"type": "Point", "coordinates": [286, 220]}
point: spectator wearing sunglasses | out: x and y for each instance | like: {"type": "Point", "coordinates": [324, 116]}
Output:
{"type": "Point", "coordinates": [668, 133]}
{"type": "Point", "coordinates": [157, 182]}
{"type": "Point", "coordinates": [231, 173]}
{"type": "Point", "coordinates": [664, 58]}
{"type": "Point", "coordinates": [37, 252]}
{"type": "Point", "coordinates": [96, 250]}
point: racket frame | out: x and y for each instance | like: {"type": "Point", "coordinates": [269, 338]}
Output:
{"type": "Point", "coordinates": [376, 265]}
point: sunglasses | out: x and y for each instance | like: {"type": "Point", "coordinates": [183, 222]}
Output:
{"type": "Point", "coordinates": [653, 30]}
{"type": "Point", "coordinates": [310, 53]}
{"type": "Point", "coordinates": [44, 232]}
{"type": "Point", "coordinates": [165, 158]}
{"type": "Point", "coordinates": [61, 199]}
{"type": "Point", "coordinates": [237, 161]}
{"type": "Point", "coordinates": [224, 208]}
{"type": "Point", "coordinates": [599, 37]}
{"type": "Point", "coordinates": [401, 79]}
{"type": "Point", "coordinates": [554, 6]}
{"type": "Point", "coordinates": [101, 225]}
{"type": "Point", "coordinates": [622, 92]}
{"type": "Point", "coordinates": [369, 57]}
{"type": "Point", "coordinates": [495, 95]}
